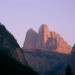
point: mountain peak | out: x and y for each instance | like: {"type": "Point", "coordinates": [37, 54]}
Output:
{"type": "Point", "coordinates": [43, 35]}
{"type": "Point", "coordinates": [2, 27]}
{"type": "Point", "coordinates": [31, 30]}
{"type": "Point", "coordinates": [46, 40]}
{"type": "Point", "coordinates": [43, 27]}
{"type": "Point", "coordinates": [30, 40]}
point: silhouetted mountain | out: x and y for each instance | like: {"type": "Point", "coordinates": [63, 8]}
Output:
{"type": "Point", "coordinates": [8, 41]}
{"type": "Point", "coordinates": [12, 60]}
{"type": "Point", "coordinates": [9, 66]}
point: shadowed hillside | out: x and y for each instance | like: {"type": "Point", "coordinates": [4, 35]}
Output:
{"type": "Point", "coordinates": [8, 41]}
{"type": "Point", "coordinates": [9, 66]}
{"type": "Point", "coordinates": [12, 61]}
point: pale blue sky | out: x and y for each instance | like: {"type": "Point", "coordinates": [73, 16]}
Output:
{"type": "Point", "coordinates": [20, 15]}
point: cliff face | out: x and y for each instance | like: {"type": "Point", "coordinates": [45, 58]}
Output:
{"type": "Point", "coordinates": [42, 37]}
{"type": "Point", "coordinates": [45, 40]}
{"type": "Point", "coordinates": [48, 55]}
{"type": "Point", "coordinates": [62, 46]}
{"type": "Point", "coordinates": [30, 41]}
{"type": "Point", "coordinates": [8, 41]}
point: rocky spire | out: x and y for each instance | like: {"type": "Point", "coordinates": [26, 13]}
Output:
{"type": "Point", "coordinates": [43, 35]}
{"type": "Point", "coordinates": [46, 40]}
{"type": "Point", "coordinates": [30, 40]}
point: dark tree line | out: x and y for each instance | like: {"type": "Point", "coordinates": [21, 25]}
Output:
{"type": "Point", "coordinates": [68, 71]}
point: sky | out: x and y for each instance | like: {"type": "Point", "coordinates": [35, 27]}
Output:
{"type": "Point", "coordinates": [20, 15]}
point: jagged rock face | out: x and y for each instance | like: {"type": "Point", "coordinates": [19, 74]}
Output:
{"type": "Point", "coordinates": [42, 37]}
{"type": "Point", "coordinates": [62, 45]}
{"type": "Point", "coordinates": [30, 41]}
{"type": "Point", "coordinates": [45, 40]}
{"type": "Point", "coordinates": [50, 52]}
{"type": "Point", "coordinates": [8, 41]}
{"type": "Point", "coordinates": [51, 44]}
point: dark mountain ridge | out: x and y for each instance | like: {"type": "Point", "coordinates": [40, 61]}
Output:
{"type": "Point", "coordinates": [8, 41]}
{"type": "Point", "coordinates": [9, 66]}
{"type": "Point", "coordinates": [12, 60]}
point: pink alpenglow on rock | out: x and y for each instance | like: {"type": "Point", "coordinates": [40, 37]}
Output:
{"type": "Point", "coordinates": [45, 40]}
{"type": "Point", "coordinates": [43, 35]}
